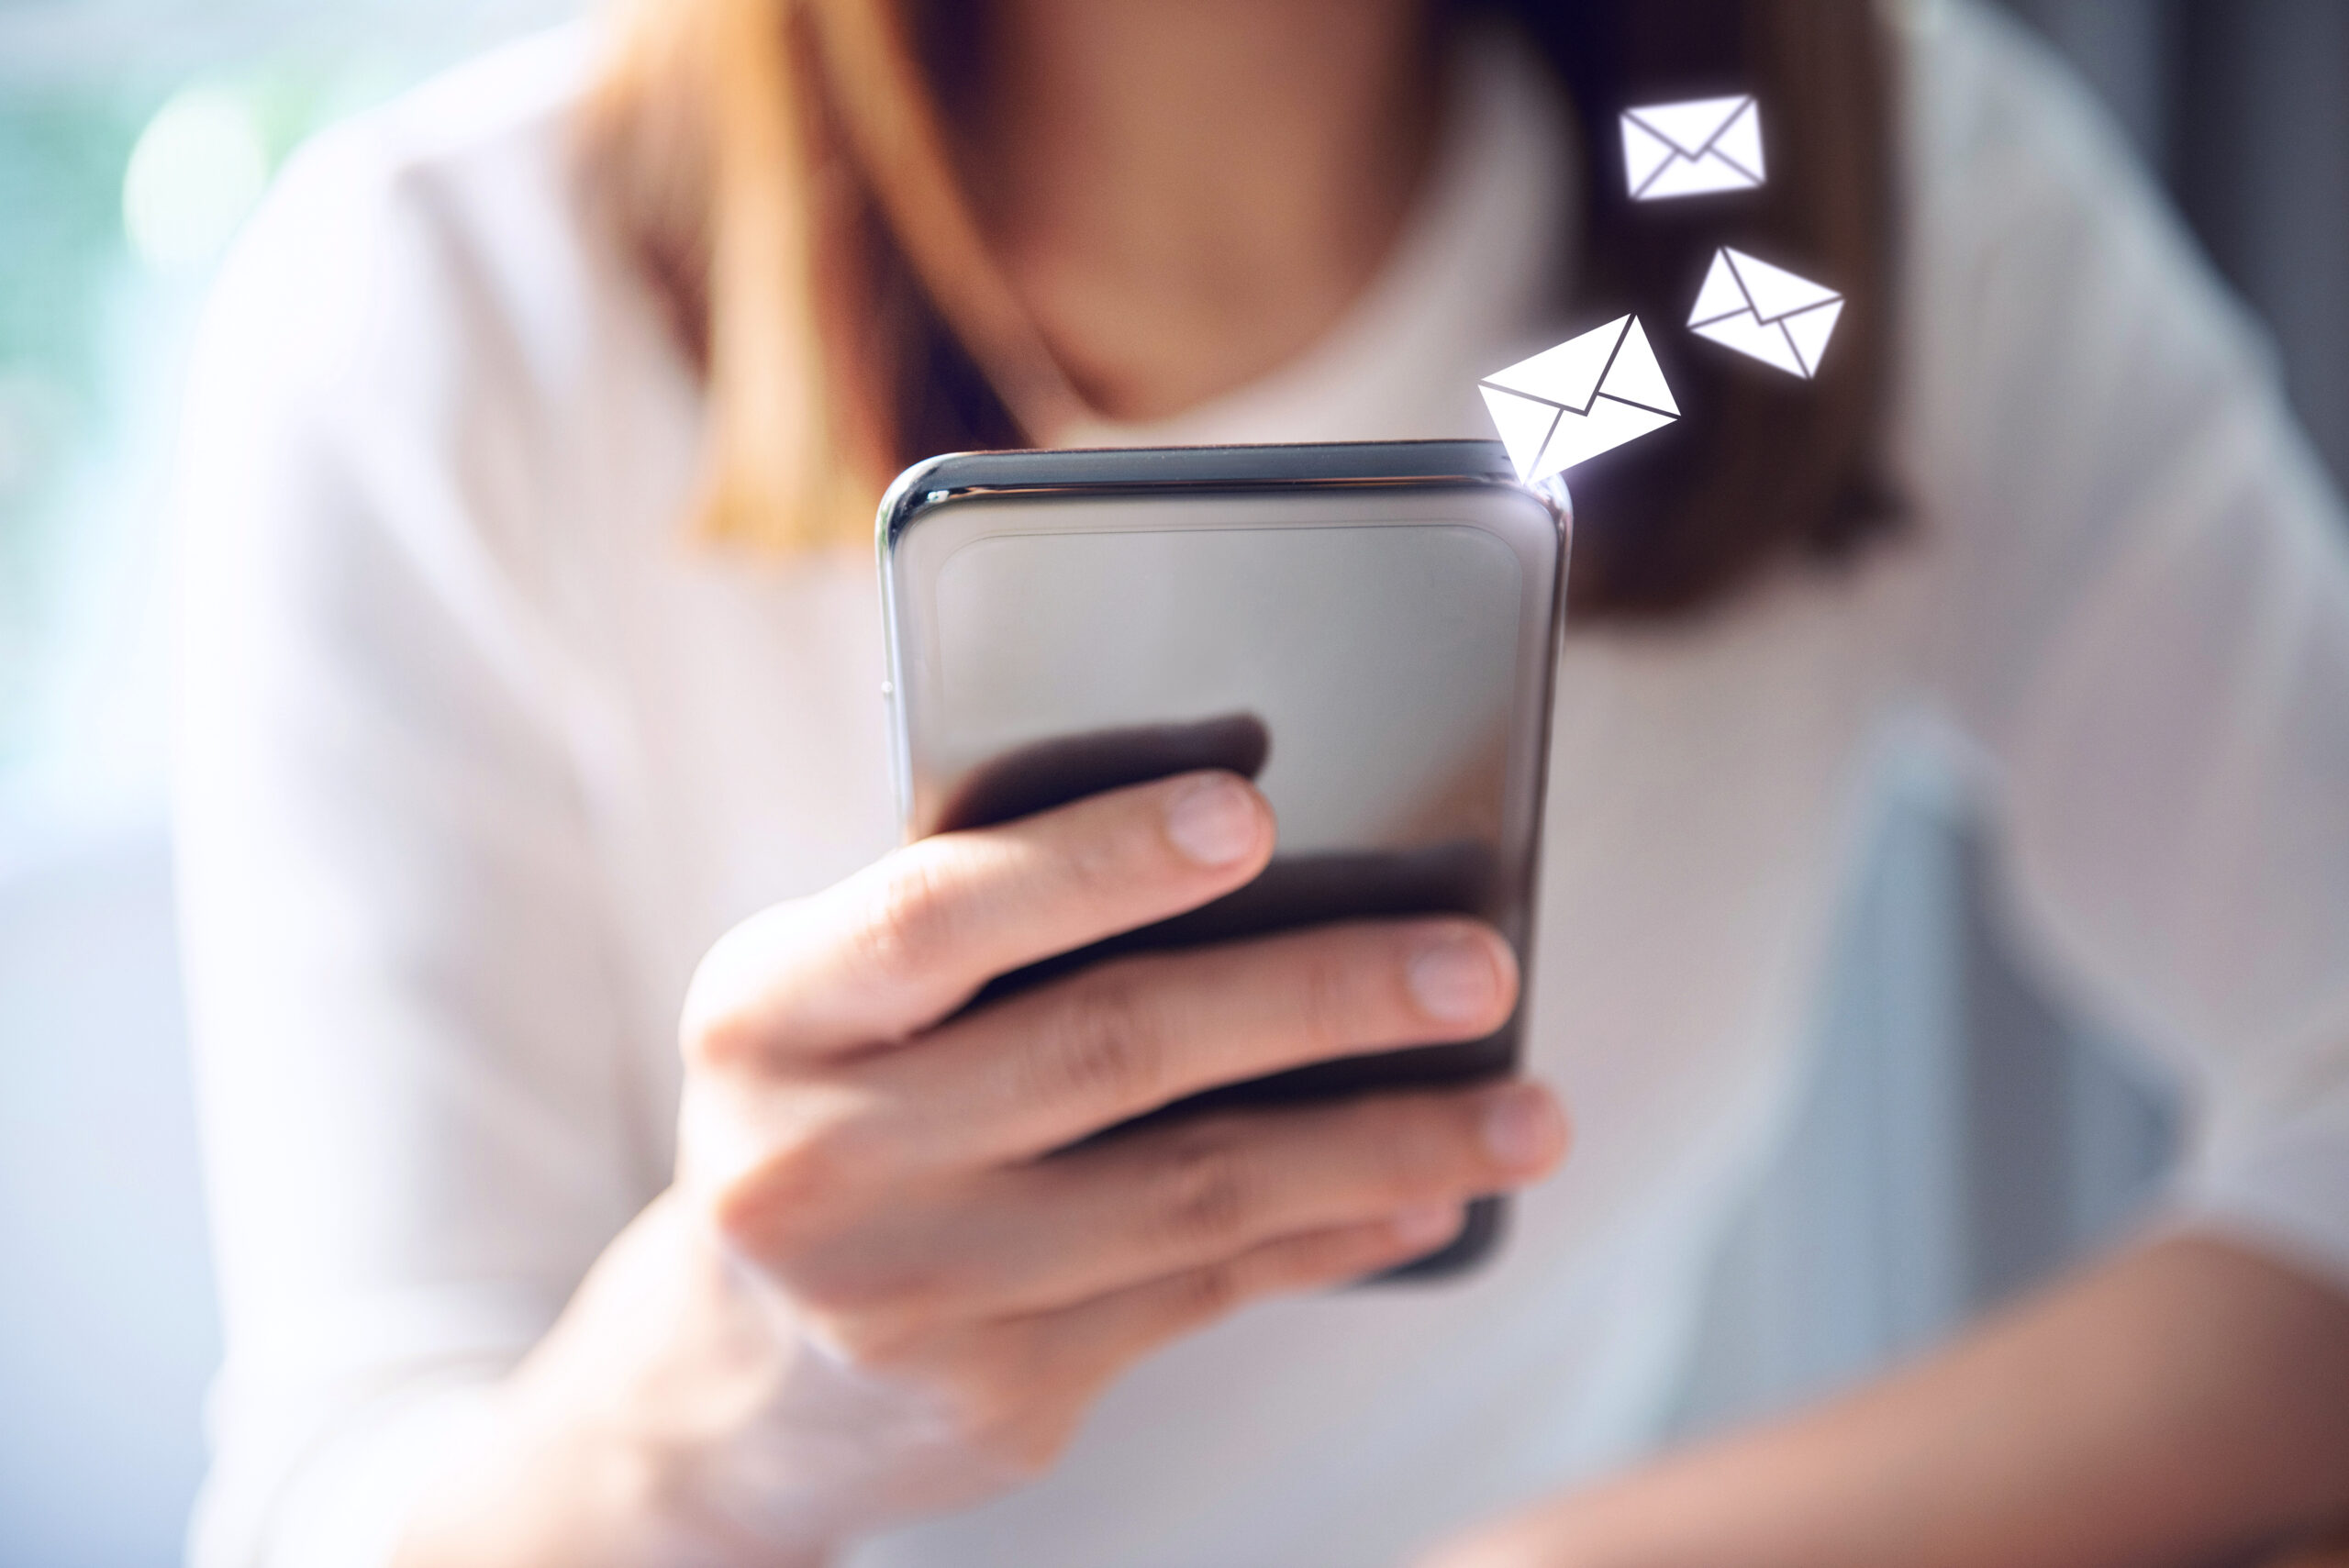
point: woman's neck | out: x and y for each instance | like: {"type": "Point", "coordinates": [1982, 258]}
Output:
{"type": "Point", "coordinates": [1188, 192]}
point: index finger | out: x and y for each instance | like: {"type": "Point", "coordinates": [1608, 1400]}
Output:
{"type": "Point", "coordinates": [906, 941]}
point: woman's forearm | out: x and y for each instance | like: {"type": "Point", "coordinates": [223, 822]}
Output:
{"type": "Point", "coordinates": [2184, 1401]}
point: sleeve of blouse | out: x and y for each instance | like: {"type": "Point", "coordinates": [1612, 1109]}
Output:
{"type": "Point", "coordinates": [402, 990]}
{"type": "Point", "coordinates": [2148, 634]}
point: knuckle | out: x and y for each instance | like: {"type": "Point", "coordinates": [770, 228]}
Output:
{"type": "Point", "coordinates": [722, 1038]}
{"type": "Point", "coordinates": [894, 1304]}
{"type": "Point", "coordinates": [797, 1189]}
{"type": "Point", "coordinates": [1205, 1194]}
{"type": "Point", "coordinates": [742, 1215]}
{"type": "Point", "coordinates": [914, 924]}
{"type": "Point", "coordinates": [1108, 1043]}
{"type": "Point", "coordinates": [855, 1305]}
{"type": "Point", "coordinates": [815, 1164]}
{"type": "Point", "coordinates": [752, 1219]}
{"type": "Point", "coordinates": [1098, 864]}
{"type": "Point", "coordinates": [715, 1041]}
{"type": "Point", "coordinates": [878, 1344]}
{"type": "Point", "coordinates": [1420, 1144]}
{"type": "Point", "coordinates": [1211, 1293]}
{"type": "Point", "coordinates": [720, 1026]}
{"type": "Point", "coordinates": [1325, 991]}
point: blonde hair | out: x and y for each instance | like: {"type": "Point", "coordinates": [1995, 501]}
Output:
{"type": "Point", "coordinates": [754, 154]}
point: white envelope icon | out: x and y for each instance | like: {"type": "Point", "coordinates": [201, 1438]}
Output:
{"type": "Point", "coordinates": [1766, 312]}
{"type": "Point", "coordinates": [1587, 395]}
{"type": "Point", "coordinates": [1687, 150]}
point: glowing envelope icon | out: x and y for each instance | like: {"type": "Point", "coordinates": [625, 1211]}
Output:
{"type": "Point", "coordinates": [1693, 149]}
{"type": "Point", "coordinates": [1765, 312]}
{"type": "Point", "coordinates": [1587, 395]}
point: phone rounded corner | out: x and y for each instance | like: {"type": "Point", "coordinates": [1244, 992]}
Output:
{"type": "Point", "coordinates": [1553, 493]}
{"type": "Point", "coordinates": [917, 487]}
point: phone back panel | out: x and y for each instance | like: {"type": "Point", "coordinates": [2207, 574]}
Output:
{"type": "Point", "coordinates": [1367, 631]}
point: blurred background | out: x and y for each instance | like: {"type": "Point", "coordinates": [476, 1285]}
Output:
{"type": "Point", "coordinates": [1960, 1135]}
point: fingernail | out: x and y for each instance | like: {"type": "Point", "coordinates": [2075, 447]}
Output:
{"type": "Point", "coordinates": [1424, 1225]}
{"type": "Point", "coordinates": [1523, 1127]}
{"type": "Point", "coordinates": [1213, 822]}
{"type": "Point", "coordinates": [1453, 979]}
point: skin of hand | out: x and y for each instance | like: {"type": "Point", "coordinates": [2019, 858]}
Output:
{"type": "Point", "coordinates": [884, 1283]}
{"type": "Point", "coordinates": [2186, 1403]}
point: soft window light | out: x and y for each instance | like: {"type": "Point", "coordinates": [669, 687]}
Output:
{"type": "Point", "coordinates": [197, 169]}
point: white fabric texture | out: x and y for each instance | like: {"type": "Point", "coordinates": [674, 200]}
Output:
{"type": "Point", "coordinates": [478, 753]}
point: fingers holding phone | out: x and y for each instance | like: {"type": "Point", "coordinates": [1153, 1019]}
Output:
{"type": "Point", "coordinates": [820, 1102]}
{"type": "Point", "coordinates": [909, 1186]}
{"type": "Point", "coordinates": [911, 938]}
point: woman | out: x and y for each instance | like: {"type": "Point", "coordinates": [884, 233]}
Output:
{"type": "Point", "coordinates": [494, 771]}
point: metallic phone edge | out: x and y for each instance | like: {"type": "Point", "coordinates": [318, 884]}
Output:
{"type": "Point", "coordinates": [1102, 470]}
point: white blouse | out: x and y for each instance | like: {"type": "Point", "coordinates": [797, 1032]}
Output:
{"type": "Point", "coordinates": [478, 753]}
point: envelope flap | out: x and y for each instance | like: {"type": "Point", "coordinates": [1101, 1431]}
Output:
{"type": "Point", "coordinates": [1739, 141]}
{"type": "Point", "coordinates": [1644, 155]}
{"type": "Point", "coordinates": [1774, 291]}
{"type": "Point", "coordinates": [1691, 126]}
{"type": "Point", "coordinates": [1524, 424]}
{"type": "Point", "coordinates": [1808, 330]}
{"type": "Point", "coordinates": [1635, 377]}
{"type": "Point", "coordinates": [1721, 294]}
{"type": "Point", "coordinates": [1567, 374]}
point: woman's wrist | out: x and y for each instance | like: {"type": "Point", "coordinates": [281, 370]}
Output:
{"type": "Point", "coordinates": [584, 1455]}
{"type": "Point", "coordinates": [540, 1485]}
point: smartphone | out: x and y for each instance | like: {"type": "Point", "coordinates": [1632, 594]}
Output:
{"type": "Point", "coordinates": [1368, 630]}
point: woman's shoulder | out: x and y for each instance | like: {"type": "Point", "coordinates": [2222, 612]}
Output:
{"type": "Point", "coordinates": [425, 333]}
{"type": "Point", "coordinates": [2055, 310]}
{"type": "Point", "coordinates": [517, 92]}
{"type": "Point", "coordinates": [424, 370]}
{"type": "Point", "coordinates": [440, 234]}
{"type": "Point", "coordinates": [1997, 128]}
{"type": "Point", "coordinates": [2090, 421]}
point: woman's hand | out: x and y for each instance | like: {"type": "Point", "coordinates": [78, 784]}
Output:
{"type": "Point", "coordinates": [871, 1293]}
